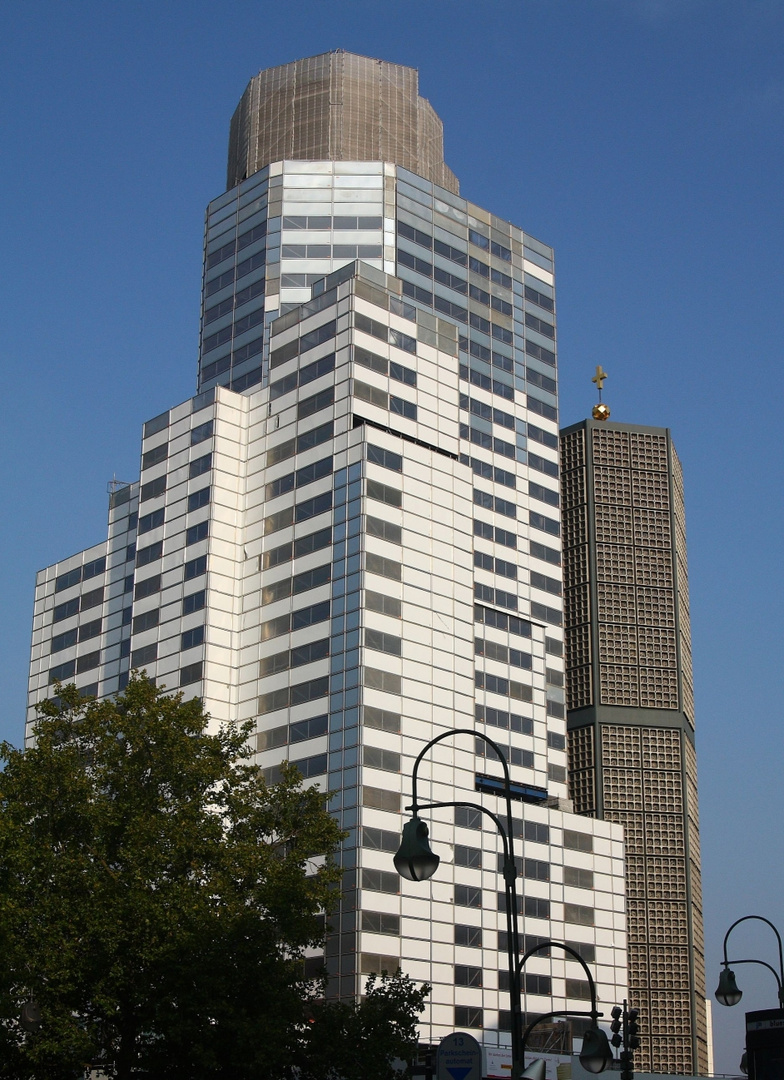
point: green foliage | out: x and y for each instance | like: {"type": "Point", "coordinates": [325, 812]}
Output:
{"type": "Point", "coordinates": [355, 1040]}
{"type": "Point", "coordinates": [156, 896]}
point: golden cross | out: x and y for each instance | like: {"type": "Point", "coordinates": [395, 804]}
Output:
{"type": "Point", "coordinates": [599, 377]}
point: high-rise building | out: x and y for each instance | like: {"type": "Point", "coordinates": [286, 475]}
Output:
{"type": "Point", "coordinates": [351, 535]}
{"type": "Point", "coordinates": [631, 712]}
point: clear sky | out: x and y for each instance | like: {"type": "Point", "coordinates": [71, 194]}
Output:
{"type": "Point", "coordinates": [641, 138]}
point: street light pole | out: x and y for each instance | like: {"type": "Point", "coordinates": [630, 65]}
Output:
{"type": "Point", "coordinates": [416, 862]}
{"type": "Point", "coordinates": [728, 992]}
{"type": "Point", "coordinates": [596, 1055]}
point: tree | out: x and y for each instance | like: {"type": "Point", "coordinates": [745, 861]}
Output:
{"type": "Point", "coordinates": [354, 1040]}
{"type": "Point", "coordinates": [156, 896]}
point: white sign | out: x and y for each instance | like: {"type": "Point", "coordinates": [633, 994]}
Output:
{"type": "Point", "coordinates": [498, 1062]}
{"type": "Point", "coordinates": [459, 1057]}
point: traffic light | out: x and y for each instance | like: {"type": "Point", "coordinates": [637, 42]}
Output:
{"type": "Point", "coordinates": [626, 1065]}
{"type": "Point", "coordinates": [625, 1033]}
{"type": "Point", "coordinates": [616, 1025]}
{"type": "Point", "coordinates": [632, 1032]}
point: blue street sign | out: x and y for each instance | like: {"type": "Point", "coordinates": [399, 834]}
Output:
{"type": "Point", "coordinates": [459, 1057]}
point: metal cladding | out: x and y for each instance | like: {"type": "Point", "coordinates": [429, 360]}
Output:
{"type": "Point", "coordinates": [337, 107]}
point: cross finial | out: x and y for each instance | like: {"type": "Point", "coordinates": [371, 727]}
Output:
{"type": "Point", "coordinates": [599, 378]}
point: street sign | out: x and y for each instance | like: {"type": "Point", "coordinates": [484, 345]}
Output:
{"type": "Point", "coordinates": [459, 1057]}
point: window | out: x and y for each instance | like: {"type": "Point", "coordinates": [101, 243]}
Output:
{"type": "Point", "coordinates": [147, 587]}
{"type": "Point", "coordinates": [194, 602]}
{"type": "Point", "coordinates": [151, 521]}
{"type": "Point", "coordinates": [468, 896]}
{"type": "Point", "coordinates": [546, 614]}
{"type": "Point", "coordinates": [311, 579]}
{"type": "Point", "coordinates": [383, 493]}
{"type": "Point", "coordinates": [376, 758]}
{"type": "Point", "coordinates": [66, 610]}
{"type": "Point", "coordinates": [579, 914]}
{"type": "Point", "coordinates": [195, 568]}
{"type": "Point", "coordinates": [377, 963]}
{"type": "Point", "coordinates": [272, 738]}
{"type": "Point", "coordinates": [198, 499]}
{"type": "Point", "coordinates": [380, 881]}
{"type": "Point", "coordinates": [193, 637]}
{"type": "Point", "coordinates": [61, 672]}
{"type": "Point", "coordinates": [381, 922]}
{"type": "Point", "coordinates": [199, 466]}
{"type": "Point", "coordinates": [537, 832]}
{"type": "Point", "coordinates": [191, 673]}
{"type": "Point", "coordinates": [468, 856]}
{"type": "Point", "coordinates": [579, 877]}
{"type": "Point", "coordinates": [585, 949]}
{"type": "Point", "coordinates": [92, 569]}
{"type": "Point", "coordinates": [148, 654]}
{"type": "Point", "coordinates": [149, 554]}
{"type": "Point", "coordinates": [577, 841]}
{"type": "Point", "coordinates": [536, 908]}
{"type": "Point", "coordinates": [468, 818]}
{"type": "Point", "coordinates": [154, 456]}
{"type": "Point", "coordinates": [385, 530]}
{"type": "Point", "coordinates": [63, 641]}
{"type": "Point", "coordinates": [294, 695]}
{"type": "Point", "coordinates": [544, 494]}
{"type": "Point", "coordinates": [309, 508]}
{"type": "Point", "coordinates": [376, 679]}
{"type": "Point", "coordinates": [302, 730]}
{"type": "Point", "coordinates": [546, 524]}
{"type": "Point", "coordinates": [536, 869]}
{"type": "Point", "coordinates": [468, 936]}
{"type": "Point", "coordinates": [202, 432]}
{"type": "Point", "coordinates": [322, 400]}
{"type": "Point", "coordinates": [380, 839]}
{"type": "Point", "coordinates": [387, 458]}
{"type": "Point", "coordinates": [545, 583]}
{"type": "Point", "coordinates": [387, 605]}
{"type": "Point", "coordinates": [65, 581]}
{"type": "Point", "coordinates": [579, 989]}
{"type": "Point", "coordinates": [538, 984]}
{"type": "Point", "coordinates": [90, 630]}
{"type": "Point", "coordinates": [466, 1016]}
{"type": "Point", "coordinates": [381, 799]}
{"type": "Point", "coordinates": [382, 642]}
{"type": "Point", "coordinates": [381, 719]}
{"type": "Point", "coordinates": [153, 488]}
{"type": "Point", "coordinates": [388, 568]}
{"type": "Point", "coordinates": [146, 621]}
{"type": "Point", "coordinates": [197, 532]}
{"type": "Point", "coordinates": [547, 554]}
{"type": "Point", "coordinates": [402, 408]}
{"type": "Point", "coordinates": [466, 975]}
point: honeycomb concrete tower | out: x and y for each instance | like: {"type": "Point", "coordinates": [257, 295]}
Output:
{"type": "Point", "coordinates": [631, 712]}
{"type": "Point", "coordinates": [351, 536]}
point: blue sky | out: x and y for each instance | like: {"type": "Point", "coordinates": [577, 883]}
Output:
{"type": "Point", "coordinates": [642, 138]}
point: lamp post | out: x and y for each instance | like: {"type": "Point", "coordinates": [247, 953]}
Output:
{"type": "Point", "coordinates": [728, 991]}
{"type": "Point", "coordinates": [596, 1054]}
{"type": "Point", "coordinates": [416, 861]}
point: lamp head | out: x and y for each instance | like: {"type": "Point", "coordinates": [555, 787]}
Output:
{"type": "Point", "coordinates": [596, 1054]}
{"type": "Point", "coordinates": [537, 1070]}
{"type": "Point", "coordinates": [727, 992]}
{"type": "Point", "coordinates": [414, 859]}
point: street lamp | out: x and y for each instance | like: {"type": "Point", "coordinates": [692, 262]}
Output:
{"type": "Point", "coordinates": [728, 992]}
{"type": "Point", "coordinates": [415, 861]}
{"type": "Point", "coordinates": [596, 1054]}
